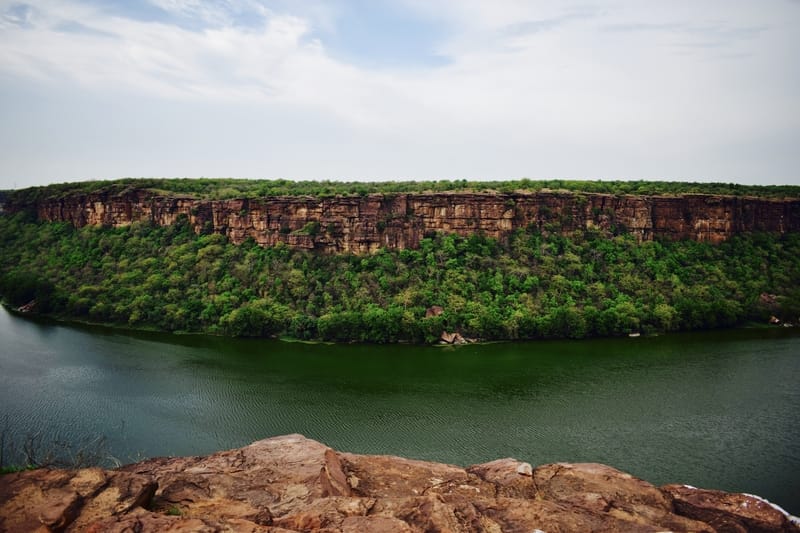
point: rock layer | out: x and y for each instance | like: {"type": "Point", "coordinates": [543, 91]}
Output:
{"type": "Point", "coordinates": [362, 224]}
{"type": "Point", "coordinates": [292, 483]}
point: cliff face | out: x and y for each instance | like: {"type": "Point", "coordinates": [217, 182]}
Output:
{"type": "Point", "coordinates": [362, 224]}
{"type": "Point", "coordinates": [291, 483]}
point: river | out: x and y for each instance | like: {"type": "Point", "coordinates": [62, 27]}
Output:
{"type": "Point", "coordinates": [713, 409]}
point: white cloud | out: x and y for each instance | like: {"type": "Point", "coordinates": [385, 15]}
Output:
{"type": "Point", "coordinates": [275, 63]}
{"type": "Point", "coordinates": [532, 82]}
{"type": "Point", "coordinates": [152, 56]}
{"type": "Point", "coordinates": [214, 12]}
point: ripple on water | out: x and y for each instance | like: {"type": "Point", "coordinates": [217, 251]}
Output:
{"type": "Point", "coordinates": [709, 410]}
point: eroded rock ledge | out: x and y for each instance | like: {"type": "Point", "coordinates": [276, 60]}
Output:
{"type": "Point", "coordinates": [292, 483]}
{"type": "Point", "coordinates": [362, 224]}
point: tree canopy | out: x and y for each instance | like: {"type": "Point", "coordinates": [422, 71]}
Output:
{"type": "Point", "coordinates": [532, 287]}
{"type": "Point", "coordinates": [226, 188]}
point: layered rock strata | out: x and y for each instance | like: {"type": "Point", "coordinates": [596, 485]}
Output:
{"type": "Point", "coordinates": [362, 224]}
{"type": "Point", "coordinates": [291, 483]}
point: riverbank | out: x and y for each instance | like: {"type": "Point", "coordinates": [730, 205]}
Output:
{"type": "Point", "coordinates": [292, 483]}
{"type": "Point", "coordinates": [444, 341]}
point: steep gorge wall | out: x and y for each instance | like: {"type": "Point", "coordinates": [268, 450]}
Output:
{"type": "Point", "coordinates": [362, 224]}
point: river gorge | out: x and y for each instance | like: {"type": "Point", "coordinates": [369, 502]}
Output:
{"type": "Point", "coordinates": [714, 409]}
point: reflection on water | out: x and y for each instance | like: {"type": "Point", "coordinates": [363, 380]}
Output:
{"type": "Point", "coordinates": [715, 409]}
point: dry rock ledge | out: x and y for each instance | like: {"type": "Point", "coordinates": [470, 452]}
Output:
{"type": "Point", "coordinates": [292, 483]}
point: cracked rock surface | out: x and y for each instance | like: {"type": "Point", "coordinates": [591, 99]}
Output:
{"type": "Point", "coordinates": [364, 224]}
{"type": "Point", "coordinates": [292, 483]}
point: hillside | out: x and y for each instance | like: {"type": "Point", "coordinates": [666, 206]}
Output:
{"type": "Point", "coordinates": [403, 266]}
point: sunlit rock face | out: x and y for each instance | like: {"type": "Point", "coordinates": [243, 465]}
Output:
{"type": "Point", "coordinates": [292, 484]}
{"type": "Point", "coordinates": [363, 224]}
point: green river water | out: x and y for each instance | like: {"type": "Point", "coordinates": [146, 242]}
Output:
{"type": "Point", "coordinates": [715, 409]}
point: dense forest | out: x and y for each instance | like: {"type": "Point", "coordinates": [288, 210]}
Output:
{"type": "Point", "coordinates": [226, 188]}
{"type": "Point", "coordinates": [531, 287]}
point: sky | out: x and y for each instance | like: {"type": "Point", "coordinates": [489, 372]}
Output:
{"type": "Point", "coordinates": [696, 90]}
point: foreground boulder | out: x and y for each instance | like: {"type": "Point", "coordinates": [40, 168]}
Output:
{"type": "Point", "coordinates": [291, 483]}
{"type": "Point", "coordinates": [728, 512]}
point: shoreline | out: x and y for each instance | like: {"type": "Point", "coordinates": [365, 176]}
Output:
{"type": "Point", "coordinates": [111, 327]}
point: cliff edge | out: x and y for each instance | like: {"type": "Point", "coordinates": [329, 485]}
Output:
{"type": "Point", "coordinates": [292, 483]}
{"type": "Point", "coordinates": [363, 224]}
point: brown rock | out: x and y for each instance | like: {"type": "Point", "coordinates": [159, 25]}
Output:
{"type": "Point", "coordinates": [60, 499]}
{"type": "Point", "coordinates": [363, 224]}
{"type": "Point", "coordinates": [434, 310]}
{"type": "Point", "coordinates": [374, 524]}
{"type": "Point", "coordinates": [332, 478]}
{"type": "Point", "coordinates": [454, 338]}
{"type": "Point", "coordinates": [603, 489]}
{"type": "Point", "coordinates": [143, 521]}
{"type": "Point", "coordinates": [258, 482]}
{"type": "Point", "coordinates": [292, 483]}
{"type": "Point", "coordinates": [767, 299]}
{"type": "Point", "coordinates": [505, 476]}
{"type": "Point", "coordinates": [511, 514]}
{"type": "Point", "coordinates": [395, 477]}
{"type": "Point", "coordinates": [29, 307]}
{"type": "Point", "coordinates": [448, 338]}
{"type": "Point", "coordinates": [325, 513]}
{"type": "Point", "coordinates": [432, 512]}
{"type": "Point", "coordinates": [62, 509]}
{"type": "Point", "coordinates": [728, 512]}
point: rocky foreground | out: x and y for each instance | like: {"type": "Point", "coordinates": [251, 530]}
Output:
{"type": "Point", "coordinates": [292, 483]}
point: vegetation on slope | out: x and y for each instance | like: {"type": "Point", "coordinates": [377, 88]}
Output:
{"type": "Point", "coordinates": [224, 188]}
{"type": "Point", "coordinates": [533, 287]}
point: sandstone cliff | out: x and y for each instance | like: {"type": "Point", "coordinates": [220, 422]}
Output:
{"type": "Point", "coordinates": [361, 224]}
{"type": "Point", "coordinates": [292, 483]}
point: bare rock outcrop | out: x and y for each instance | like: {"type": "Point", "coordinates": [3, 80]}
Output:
{"type": "Point", "coordinates": [59, 499]}
{"type": "Point", "coordinates": [728, 512]}
{"type": "Point", "coordinates": [363, 224]}
{"type": "Point", "coordinates": [291, 483]}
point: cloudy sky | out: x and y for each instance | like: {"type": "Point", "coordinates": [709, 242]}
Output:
{"type": "Point", "coordinates": [702, 90]}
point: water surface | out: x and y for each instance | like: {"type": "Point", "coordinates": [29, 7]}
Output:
{"type": "Point", "coordinates": [715, 409]}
